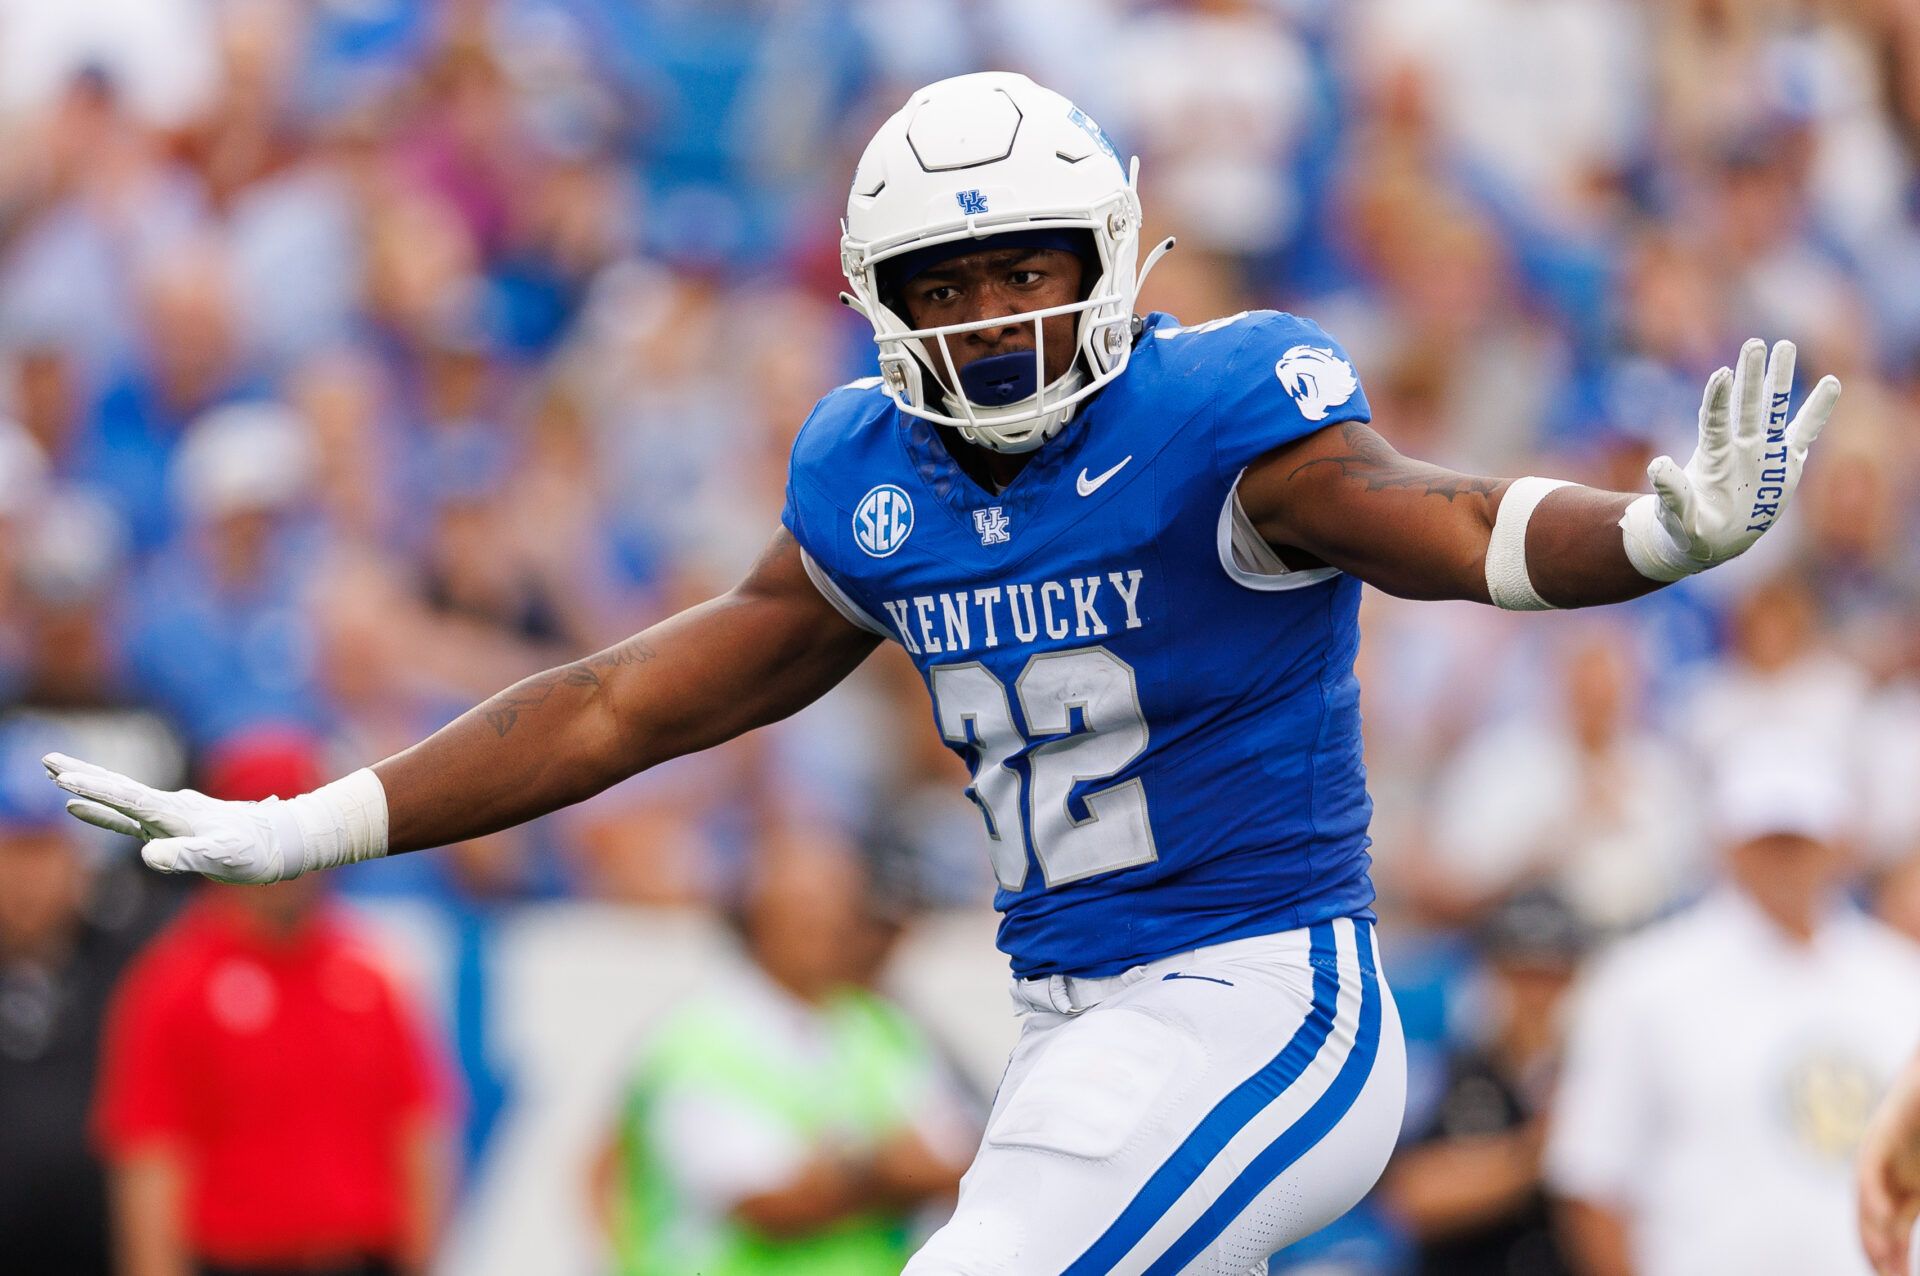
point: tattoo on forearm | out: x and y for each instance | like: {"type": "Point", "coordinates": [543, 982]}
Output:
{"type": "Point", "coordinates": [504, 710]}
{"type": "Point", "coordinates": [1382, 469]}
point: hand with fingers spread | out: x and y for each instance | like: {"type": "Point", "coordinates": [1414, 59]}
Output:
{"type": "Point", "coordinates": [1742, 473]}
{"type": "Point", "coordinates": [1889, 1180]}
{"type": "Point", "coordinates": [250, 842]}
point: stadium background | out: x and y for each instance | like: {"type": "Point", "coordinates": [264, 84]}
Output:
{"type": "Point", "coordinates": [361, 356]}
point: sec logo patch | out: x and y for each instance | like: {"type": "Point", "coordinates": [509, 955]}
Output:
{"type": "Point", "coordinates": [884, 520]}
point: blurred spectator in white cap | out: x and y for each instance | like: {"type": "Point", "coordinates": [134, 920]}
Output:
{"type": "Point", "coordinates": [220, 636]}
{"type": "Point", "coordinates": [189, 363]}
{"type": "Point", "coordinates": [75, 549]}
{"type": "Point", "coordinates": [241, 459]}
{"type": "Point", "coordinates": [70, 683]}
{"type": "Point", "coordinates": [1723, 1064]}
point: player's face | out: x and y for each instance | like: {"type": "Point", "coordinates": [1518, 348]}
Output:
{"type": "Point", "coordinates": [996, 282]}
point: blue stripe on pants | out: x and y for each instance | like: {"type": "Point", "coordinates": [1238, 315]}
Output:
{"type": "Point", "coordinates": [1228, 1117]}
{"type": "Point", "coordinates": [1300, 1137]}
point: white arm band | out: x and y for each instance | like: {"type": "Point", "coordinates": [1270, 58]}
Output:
{"type": "Point", "coordinates": [339, 823]}
{"type": "Point", "coordinates": [1507, 581]}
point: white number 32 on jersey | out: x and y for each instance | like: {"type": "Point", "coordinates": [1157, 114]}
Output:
{"type": "Point", "coordinates": [1063, 751]}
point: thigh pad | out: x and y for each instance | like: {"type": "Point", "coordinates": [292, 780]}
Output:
{"type": "Point", "coordinates": [1096, 1084]}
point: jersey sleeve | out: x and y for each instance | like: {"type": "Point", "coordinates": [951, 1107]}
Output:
{"type": "Point", "coordinates": [830, 589]}
{"type": "Point", "coordinates": [1286, 379]}
{"type": "Point", "coordinates": [807, 510]}
{"type": "Point", "coordinates": [808, 516]}
{"type": "Point", "coordinates": [790, 512]}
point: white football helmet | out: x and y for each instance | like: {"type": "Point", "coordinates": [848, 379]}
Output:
{"type": "Point", "coordinates": [977, 156]}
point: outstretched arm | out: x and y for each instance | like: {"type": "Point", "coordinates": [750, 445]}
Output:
{"type": "Point", "coordinates": [1889, 1179]}
{"type": "Point", "coordinates": [763, 650]}
{"type": "Point", "coordinates": [1343, 497]}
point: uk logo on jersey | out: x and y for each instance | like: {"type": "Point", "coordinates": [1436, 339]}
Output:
{"type": "Point", "coordinates": [1319, 380]}
{"type": "Point", "coordinates": [884, 520]}
{"type": "Point", "coordinates": [972, 203]}
{"type": "Point", "coordinates": [992, 526]}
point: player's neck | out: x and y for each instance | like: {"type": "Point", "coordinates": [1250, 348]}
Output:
{"type": "Point", "coordinates": [990, 469]}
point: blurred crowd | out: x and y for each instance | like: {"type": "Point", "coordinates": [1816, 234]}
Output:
{"type": "Point", "coordinates": [359, 357]}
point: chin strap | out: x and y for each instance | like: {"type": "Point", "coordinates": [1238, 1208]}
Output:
{"type": "Point", "coordinates": [1041, 429]}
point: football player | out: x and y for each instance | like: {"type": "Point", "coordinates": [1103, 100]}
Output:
{"type": "Point", "coordinates": [1126, 555]}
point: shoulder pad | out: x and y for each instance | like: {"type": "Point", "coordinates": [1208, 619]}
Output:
{"type": "Point", "coordinates": [843, 415]}
{"type": "Point", "coordinates": [1282, 378]}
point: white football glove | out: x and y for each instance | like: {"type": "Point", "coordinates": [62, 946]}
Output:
{"type": "Point", "coordinates": [1741, 475]}
{"type": "Point", "coordinates": [251, 842]}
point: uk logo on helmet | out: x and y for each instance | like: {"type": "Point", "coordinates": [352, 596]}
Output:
{"type": "Point", "coordinates": [972, 203]}
{"type": "Point", "coordinates": [884, 520]}
{"type": "Point", "coordinates": [1094, 131]}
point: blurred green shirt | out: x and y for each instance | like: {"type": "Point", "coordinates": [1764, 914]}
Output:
{"type": "Point", "coordinates": [733, 1095]}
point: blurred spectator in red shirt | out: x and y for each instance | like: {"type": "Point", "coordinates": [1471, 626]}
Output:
{"type": "Point", "coordinates": [256, 1036]}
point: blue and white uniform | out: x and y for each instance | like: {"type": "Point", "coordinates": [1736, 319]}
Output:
{"type": "Point", "coordinates": [1162, 725]}
{"type": "Point", "coordinates": [1165, 746]}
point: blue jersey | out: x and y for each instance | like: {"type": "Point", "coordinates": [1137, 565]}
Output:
{"type": "Point", "coordinates": [1162, 723]}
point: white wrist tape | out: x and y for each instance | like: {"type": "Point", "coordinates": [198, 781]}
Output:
{"type": "Point", "coordinates": [339, 823]}
{"type": "Point", "coordinates": [1651, 547]}
{"type": "Point", "coordinates": [1507, 581]}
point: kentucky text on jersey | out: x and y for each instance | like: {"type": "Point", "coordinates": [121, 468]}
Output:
{"type": "Point", "coordinates": [1160, 722]}
{"type": "Point", "coordinates": [930, 624]}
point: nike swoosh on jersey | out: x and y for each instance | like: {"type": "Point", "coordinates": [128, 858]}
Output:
{"type": "Point", "coordinates": [1087, 487]}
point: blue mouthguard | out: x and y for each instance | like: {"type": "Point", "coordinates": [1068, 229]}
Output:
{"type": "Point", "coordinates": [997, 380]}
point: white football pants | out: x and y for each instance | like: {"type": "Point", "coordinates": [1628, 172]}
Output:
{"type": "Point", "coordinates": [1195, 1115]}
